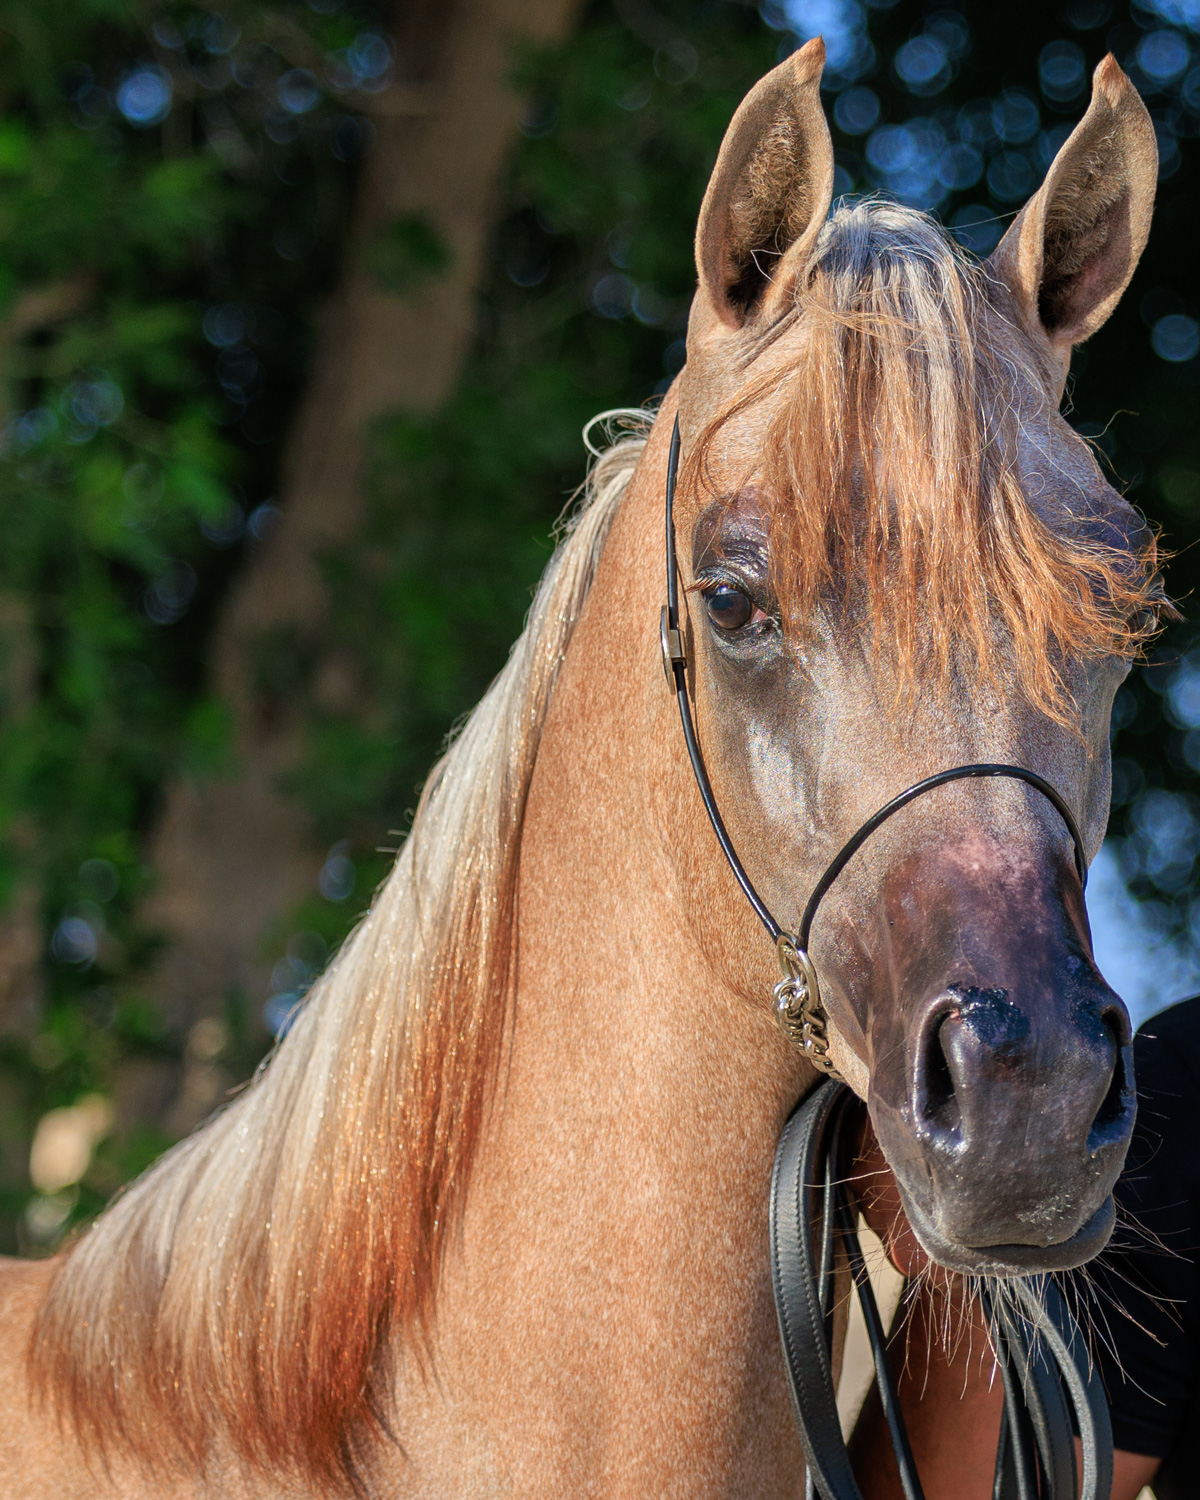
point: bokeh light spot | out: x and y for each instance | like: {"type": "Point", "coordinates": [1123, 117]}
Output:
{"type": "Point", "coordinates": [1163, 56]}
{"type": "Point", "coordinates": [298, 91]}
{"type": "Point", "coordinates": [923, 64]}
{"type": "Point", "coordinates": [1176, 338]}
{"type": "Point", "coordinates": [976, 227]}
{"type": "Point", "coordinates": [1061, 70]}
{"type": "Point", "coordinates": [144, 96]}
{"type": "Point", "coordinates": [857, 111]}
{"type": "Point", "coordinates": [338, 876]}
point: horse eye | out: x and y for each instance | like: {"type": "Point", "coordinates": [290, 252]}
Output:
{"type": "Point", "coordinates": [728, 608]}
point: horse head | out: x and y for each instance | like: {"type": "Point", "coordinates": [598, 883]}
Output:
{"type": "Point", "coordinates": [898, 558]}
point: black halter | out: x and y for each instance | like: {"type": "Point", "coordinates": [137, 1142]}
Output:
{"type": "Point", "coordinates": [1045, 1368]}
{"type": "Point", "coordinates": [798, 1006]}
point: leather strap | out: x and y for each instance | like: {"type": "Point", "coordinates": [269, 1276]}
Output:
{"type": "Point", "coordinates": [1044, 1364]}
{"type": "Point", "coordinates": [801, 1310]}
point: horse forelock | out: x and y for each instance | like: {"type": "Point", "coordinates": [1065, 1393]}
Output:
{"type": "Point", "coordinates": [244, 1296]}
{"type": "Point", "coordinates": [894, 437]}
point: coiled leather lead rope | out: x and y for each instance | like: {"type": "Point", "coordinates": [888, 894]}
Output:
{"type": "Point", "coordinates": [1043, 1362]}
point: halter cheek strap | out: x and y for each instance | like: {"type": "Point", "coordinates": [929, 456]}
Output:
{"type": "Point", "coordinates": [797, 996]}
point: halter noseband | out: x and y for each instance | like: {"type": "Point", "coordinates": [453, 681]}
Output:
{"type": "Point", "coordinates": [798, 1007]}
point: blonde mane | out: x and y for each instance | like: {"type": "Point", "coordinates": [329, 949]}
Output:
{"type": "Point", "coordinates": [247, 1289]}
{"type": "Point", "coordinates": [892, 463]}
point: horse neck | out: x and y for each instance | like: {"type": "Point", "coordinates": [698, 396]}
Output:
{"type": "Point", "coordinates": [615, 1233]}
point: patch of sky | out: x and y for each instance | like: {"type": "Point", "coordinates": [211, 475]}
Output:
{"type": "Point", "coordinates": [842, 24]}
{"type": "Point", "coordinates": [75, 941]}
{"type": "Point", "coordinates": [1137, 946]}
{"type": "Point", "coordinates": [677, 61]}
{"type": "Point", "coordinates": [1177, 12]}
{"type": "Point", "coordinates": [977, 227]}
{"type": "Point", "coordinates": [89, 403]}
{"type": "Point", "coordinates": [29, 430]}
{"type": "Point", "coordinates": [924, 160]}
{"type": "Point", "coordinates": [262, 520]}
{"type": "Point", "coordinates": [612, 296]}
{"type": "Point", "coordinates": [1010, 177]}
{"type": "Point", "coordinates": [977, 124]}
{"type": "Point", "coordinates": [1164, 840]}
{"type": "Point", "coordinates": [1016, 116]}
{"type": "Point", "coordinates": [1050, 142]}
{"type": "Point", "coordinates": [365, 64]}
{"type": "Point", "coordinates": [338, 876]}
{"type": "Point", "coordinates": [1181, 705]}
{"type": "Point", "coordinates": [225, 324]}
{"type": "Point", "coordinates": [292, 978]}
{"type": "Point", "coordinates": [1149, 950]}
{"type": "Point", "coordinates": [168, 597]}
{"type": "Point", "coordinates": [959, 167]}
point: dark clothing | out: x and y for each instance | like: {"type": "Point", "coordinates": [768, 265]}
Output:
{"type": "Point", "coordinates": [1152, 1269]}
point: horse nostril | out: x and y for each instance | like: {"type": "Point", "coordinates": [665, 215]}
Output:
{"type": "Point", "coordinates": [1112, 1117]}
{"type": "Point", "coordinates": [935, 1095]}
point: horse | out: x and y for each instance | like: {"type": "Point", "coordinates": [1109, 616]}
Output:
{"type": "Point", "coordinates": [492, 1220]}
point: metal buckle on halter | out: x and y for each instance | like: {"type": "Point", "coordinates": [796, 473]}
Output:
{"type": "Point", "coordinates": [673, 654]}
{"type": "Point", "coordinates": [798, 1007]}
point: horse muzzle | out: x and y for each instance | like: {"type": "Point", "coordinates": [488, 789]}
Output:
{"type": "Point", "coordinates": [1006, 1103]}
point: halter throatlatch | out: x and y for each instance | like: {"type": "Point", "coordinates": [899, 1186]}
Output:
{"type": "Point", "coordinates": [798, 1008]}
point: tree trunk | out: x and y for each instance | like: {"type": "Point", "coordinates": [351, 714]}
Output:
{"type": "Point", "coordinates": [21, 936]}
{"type": "Point", "coordinates": [34, 311]}
{"type": "Point", "coordinates": [232, 855]}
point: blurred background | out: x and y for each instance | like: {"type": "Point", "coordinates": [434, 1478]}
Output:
{"type": "Point", "coordinates": [302, 307]}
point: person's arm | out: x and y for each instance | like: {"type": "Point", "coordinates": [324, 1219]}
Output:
{"type": "Point", "coordinates": [950, 1390]}
{"type": "Point", "coordinates": [952, 1404]}
{"type": "Point", "coordinates": [1132, 1472]}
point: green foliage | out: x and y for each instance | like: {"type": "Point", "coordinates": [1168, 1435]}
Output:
{"type": "Point", "coordinates": [407, 253]}
{"type": "Point", "coordinates": [172, 195]}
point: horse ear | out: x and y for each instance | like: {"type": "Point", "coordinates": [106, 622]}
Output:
{"type": "Point", "coordinates": [769, 192]}
{"type": "Point", "coordinates": [1071, 250]}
